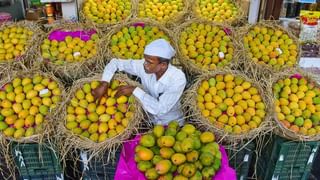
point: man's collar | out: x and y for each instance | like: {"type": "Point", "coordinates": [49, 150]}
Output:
{"type": "Point", "coordinates": [166, 76]}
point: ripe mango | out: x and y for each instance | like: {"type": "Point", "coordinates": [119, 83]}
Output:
{"type": "Point", "coordinates": [158, 130]}
{"type": "Point", "coordinates": [102, 137]}
{"type": "Point", "coordinates": [93, 128]}
{"type": "Point", "coordinates": [9, 131]}
{"type": "Point", "coordinates": [151, 173]}
{"type": "Point", "coordinates": [166, 153]}
{"type": "Point", "coordinates": [189, 170]}
{"type": "Point", "coordinates": [29, 132]}
{"type": "Point", "coordinates": [37, 79]}
{"type": "Point", "coordinates": [71, 125]}
{"type": "Point", "coordinates": [167, 141]}
{"type": "Point", "coordinates": [145, 154]}
{"type": "Point", "coordinates": [178, 158]}
{"type": "Point", "coordinates": [19, 133]}
{"type": "Point", "coordinates": [147, 140]}
{"type": "Point", "coordinates": [163, 166]}
{"type": "Point", "coordinates": [144, 165]}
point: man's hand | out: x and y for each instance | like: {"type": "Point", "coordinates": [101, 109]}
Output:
{"type": "Point", "coordinates": [125, 90]}
{"type": "Point", "coordinates": [100, 91]}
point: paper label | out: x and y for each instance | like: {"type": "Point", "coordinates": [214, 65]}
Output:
{"type": "Point", "coordinates": [246, 158]}
{"type": "Point", "coordinates": [221, 55]}
{"type": "Point", "coordinates": [76, 54]}
{"type": "Point", "coordinates": [43, 91]}
{"type": "Point", "coordinates": [279, 50]}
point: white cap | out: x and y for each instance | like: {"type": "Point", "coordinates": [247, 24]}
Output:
{"type": "Point", "coordinates": [160, 48]}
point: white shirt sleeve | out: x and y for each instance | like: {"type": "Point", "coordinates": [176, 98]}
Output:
{"type": "Point", "coordinates": [133, 67]}
{"type": "Point", "coordinates": [165, 102]}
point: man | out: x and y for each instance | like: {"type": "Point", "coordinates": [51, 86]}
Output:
{"type": "Point", "coordinates": [163, 84]}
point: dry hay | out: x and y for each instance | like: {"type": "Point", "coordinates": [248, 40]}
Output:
{"type": "Point", "coordinates": [69, 142]}
{"type": "Point", "coordinates": [190, 107]}
{"type": "Point", "coordinates": [174, 20]}
{"type": "Point", "coordinates": [69, 71]}
{"type": "Point", "coordinates": [265, 68]}
{"type": "Point", "coordinates": [107, 26]}
{"type": "Point", "coordinates": [26, 60]}
{"type": "Point", "coordinates": [185, 61]}
{"type": "Point", "coordinates": [238, 20]}
{"type": "Point", "coordinates": [139, 22]}
{"type": "Point", "coordinates": [281, 130]}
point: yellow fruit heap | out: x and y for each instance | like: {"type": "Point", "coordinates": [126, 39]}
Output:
{"type": "Point", "coordinates": [217, 10]}
{"type": "Point", "coordinates": [107, 11]}
{"type": "Point", "coordinates": [206, 46]}
{"type": "Point", "coordinates": [182, 153]}
{"type": "Point", "coordinates": [70, 50]}
{"type": "Point", "coordinates": [297, 105]}
{"type": "Point", "coordinates": [99, 121]}
{"type": "Point", "coordinates": [231, 103]}
{"type": "Point", "coordinates": [161, 10]}
{"type": "Point", "coordinates": [13, 41]}
{"type": "Point", "coordinates": [25, 102]}
{"type": "Point", "coordinates": [129, 43]}
{"type": "Point", "coordinates": [271, 46]}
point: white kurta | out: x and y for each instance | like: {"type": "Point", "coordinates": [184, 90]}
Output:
{"type": "Point", "coordinates": [160, 98]}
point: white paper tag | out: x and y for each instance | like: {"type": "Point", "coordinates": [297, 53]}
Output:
{"type": "Point", "coordinates": [43, 91]}
{"type": "Point", "coordinates": [221, 55]}
{"type": "Point", "coordinates": [281, 158]}
{"type": "Point", "coordinates": [76, 54]}
{"type": "Point", "coordinates": [279, 50]}
{"type": "Point", "coordinates": [246, 158]}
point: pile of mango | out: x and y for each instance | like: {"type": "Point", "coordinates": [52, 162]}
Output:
{"type": "Point", "coordinates": [178, 153]}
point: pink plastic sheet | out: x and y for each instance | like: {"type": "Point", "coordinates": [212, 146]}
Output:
{"type": "Point", "coordinates": [60, 35]}
{"type": "Point", "coordinates": [127, 167]}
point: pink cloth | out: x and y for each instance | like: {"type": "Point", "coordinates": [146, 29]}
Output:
{"type": "Point", "coordinates": [127, 167]}
{"type": "Point", "coordinates": [60, 35]}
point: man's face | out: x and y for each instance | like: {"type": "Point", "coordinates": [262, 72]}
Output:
{"type": "Point", "coordinates": [152, 64]}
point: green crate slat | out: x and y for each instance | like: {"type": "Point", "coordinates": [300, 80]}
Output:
{"type": "Point", "coordinates": [43, 177]}
{"type": "Point", "coordinates": [241, 160]}
{"type": "Point", "coordinates": [283, 159]}
{"type": "Point", "coordinates": [29, 163]}
{"type": "Point", "coordinates": [98, 170]}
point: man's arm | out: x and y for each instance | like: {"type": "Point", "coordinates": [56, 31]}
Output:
{"type": "Point", "coordinates": [166, 101]}
{"type": "Point", "coordinates": [133, 67]}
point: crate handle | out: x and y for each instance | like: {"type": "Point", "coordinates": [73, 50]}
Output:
{"type": "Point", "coordinates": [310, 160]}
{"type": "Point", "coordinates": [275, 178]}
{"type": "Point", "coordinates": [84, 158]}
{"type": "Point", "coordinates": [20, 157]}
{"type": "Point", "coordinates": [60, 177]}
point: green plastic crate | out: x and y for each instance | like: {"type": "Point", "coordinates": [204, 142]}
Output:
{"type": "Point", "coordinates": [240, 158]}
{"type": "Point", "coordinates": [35, 166]}
{"type": "Point", "coordinates": [283, 159]}
{"type": "Point", "coordinates": [98, 169]}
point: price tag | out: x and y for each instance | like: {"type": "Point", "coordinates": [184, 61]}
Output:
{"type": "Point", "coordinates": [221, 55]}
{"type": "Point", "coordinates": [279, 50]}
{"type": "Point", "coordinates": [246, 158]}
{"type": "Point", "coordinates": [76, 54]}
{"type": "Point", "coordinates": [43, 91]}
